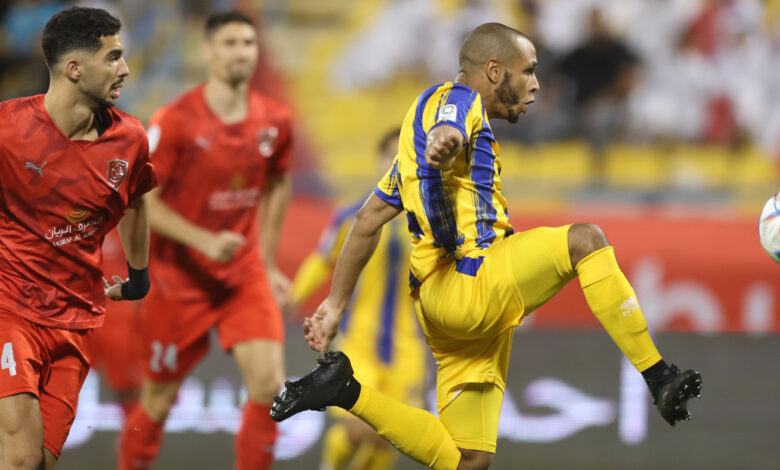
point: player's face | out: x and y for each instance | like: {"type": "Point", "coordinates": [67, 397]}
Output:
{"type": "Point", "coordinates": [231, 53]}
{"type": "Point", "coordinates": [104, 72]}
{"type": "Point", "coordinates": [516, 90]}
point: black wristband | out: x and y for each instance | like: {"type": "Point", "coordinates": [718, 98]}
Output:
{"type": "Point", "coordinates": [137, 285]}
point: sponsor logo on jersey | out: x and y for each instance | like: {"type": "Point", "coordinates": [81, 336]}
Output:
{"type": "Point", "coordinates": [82, 224]}
{"type": "Point", "coordinates": [237, 181]}
{"type": "Point", "coordinates": [233, 199]}
{"type": "Point", "coordinates": [629, 306]}
{"type": "Point", "coordinates": [117, 171]}
{"type": "Point", "coordinates": [448, 112]}
{"type": "Point", "coordinates": [33, 167]}
{"type": "Point", "coordinates": [77, 214]}
{"type": "Point", "coordinates": [266, 141]}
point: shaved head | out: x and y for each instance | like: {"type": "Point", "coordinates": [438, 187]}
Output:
{"type": "Point", "coordinates": [489, 41]}
{"type": "Point", "coordinates": [499, 63]}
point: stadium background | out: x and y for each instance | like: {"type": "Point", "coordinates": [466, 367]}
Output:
{"type": "Point", "coordinates": [657, 119]}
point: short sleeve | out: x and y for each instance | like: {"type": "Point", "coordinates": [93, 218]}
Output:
{"type": "Point", "coordinates": [460, 108]}
{"type": "Point", "coordinates": [389, 187]}
{"type": "Point", "coordinates": [143, 177]}
{"type": "Point", "coordinates": [164, 145]}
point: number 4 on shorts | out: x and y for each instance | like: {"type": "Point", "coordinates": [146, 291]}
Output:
{"type": "Point", "coordinates": [7, 359]}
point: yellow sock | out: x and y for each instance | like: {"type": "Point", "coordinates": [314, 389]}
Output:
{"type": "Point", "coordinates": [413, 431]}
{"type": "Point", "coordinates": [614, 303]}
{"type": "Point", "coordinates": [376, 457]}
{"type": "Point", "coordinates": [337, 448]}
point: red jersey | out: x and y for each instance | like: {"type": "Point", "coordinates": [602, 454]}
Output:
{"type": "Point", "coordinates": [58, 199]}
{"type": "Point", "coordinates": [213, 174]}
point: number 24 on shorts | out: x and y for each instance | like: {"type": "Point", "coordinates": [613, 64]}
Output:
{"type": "Point", "coordinates": [162, 356]}
{"type": "Point", "coordinates": [7, 359]}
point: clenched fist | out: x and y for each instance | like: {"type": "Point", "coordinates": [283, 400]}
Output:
{"type": "Point", "coordinates": [443, 145]}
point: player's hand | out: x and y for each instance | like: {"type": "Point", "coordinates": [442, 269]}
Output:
{"type": "Point", "coordinates": [113, 291]}
{"type": "Point", "coordinates": [223, 245]}
{"type": "Point", "coordinates": [280, 286]}
{"type": "Point", "coordinates": [320, 328]}
{"type": "Point", "coordinates": [443, 145]}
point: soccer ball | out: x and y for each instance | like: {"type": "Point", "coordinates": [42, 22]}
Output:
{"type": "Point", "coordinates": [769, 227]}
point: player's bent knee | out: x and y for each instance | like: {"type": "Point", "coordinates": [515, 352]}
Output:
{"type": "Point", "coordinates": [475, 459]}
{"type": "Point", "coordinates": [584, 239]}
{"type": "Point", "coordinates": [158, 399]}
{"type": "Point", "coordinates": [263, 388]}
{"type": "Point", "coordinates": [22, 457]}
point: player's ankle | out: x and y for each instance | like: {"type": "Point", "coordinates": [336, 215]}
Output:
{"type": "Point", "coordinates": [655, 376]}
{"type": "Point", "coordinates": [348, 395]}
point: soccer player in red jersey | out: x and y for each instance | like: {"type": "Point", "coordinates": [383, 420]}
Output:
{"type": "Point", "coordinates": [72, 168]}
{"type": "Point", "coordinates": [221, 152]}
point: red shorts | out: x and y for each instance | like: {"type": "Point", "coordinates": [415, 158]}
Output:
{"type": "Point", "coordinates": [50, 363]}
{"type": "Point", "coordinates": [176, 331]}
{"type": "Point", "coordinates": [117, 352]}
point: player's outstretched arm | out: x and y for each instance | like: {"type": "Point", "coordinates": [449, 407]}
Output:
{"type": "Point", "coordinates": [134, 233]}
{"type": "Point", "coordinates": [220, 246]}
{"type": "Point", "coordinates": [443, 144]}
{"type": "Point", "coordinates": [321, 327]}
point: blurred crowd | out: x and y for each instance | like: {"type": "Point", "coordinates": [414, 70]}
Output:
{"type": "Point", "coordinates": [698, 71]}
{"type": "Point", "coordinates": [156, 34]}
{"type": "Point", "coordinates": [649, 70]}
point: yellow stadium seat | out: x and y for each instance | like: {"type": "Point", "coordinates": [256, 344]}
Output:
{"type": "Point", "coordinates": [563, 165]}
{"type": "Point", "coordinates": [635, 167]}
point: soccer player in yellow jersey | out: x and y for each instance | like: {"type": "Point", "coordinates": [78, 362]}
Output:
{"type": "Point", "coordinates": [472, 278]}
{"type": "Point", "coordinates": [379, 330]}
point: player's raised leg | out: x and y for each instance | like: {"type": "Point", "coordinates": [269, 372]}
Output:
{"type": "Point", "coordinates": [609, 294]}
{"type": "Point", "coordinates": [614, 303]}
{"type": "Point", "coordinates": [261, 363]}
{"type": "Point", "coordinates": [332, 384]}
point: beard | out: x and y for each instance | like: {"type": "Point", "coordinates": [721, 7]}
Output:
{"type": "Point", "coordinates": [235, 75]}
{"type": "Point", "coordinates": [509, 98]}
{"type": "Point", "coordinates": [101, 101]}
{"type": "Point", "coordinates": [99, 98]}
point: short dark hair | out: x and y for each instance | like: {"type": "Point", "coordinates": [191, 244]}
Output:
{"type": "Point", "coordinates": [388, 137]}
{"type": "Point", "coordinates": [219, 19]}
{"type": "Point", "coordinates": [76, 28]}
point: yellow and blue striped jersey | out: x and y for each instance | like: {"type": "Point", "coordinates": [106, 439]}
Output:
{"type": "Point", "coordinates": [452, 214]}
{"type": "Point", "coordinates": [380, 319]}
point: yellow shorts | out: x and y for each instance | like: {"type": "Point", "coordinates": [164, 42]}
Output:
{"type": "Point", "coordinates": [471, 417]}
{"type": "Point", "coordinates": [467, 310]}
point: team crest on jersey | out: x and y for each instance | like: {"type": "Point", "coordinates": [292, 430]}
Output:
{"type": "Point", "coordinates": [117, 171]}
{"type": "Point", "coordinates": [266, 141]}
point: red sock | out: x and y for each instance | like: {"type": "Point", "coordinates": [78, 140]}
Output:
{"type": "Point", "coordinates": [140, 441]}
{"type": "Point", "coordinates": [255, 440]}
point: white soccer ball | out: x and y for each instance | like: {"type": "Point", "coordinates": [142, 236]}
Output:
{"type": "Point", "coordinates": [769, 227]}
